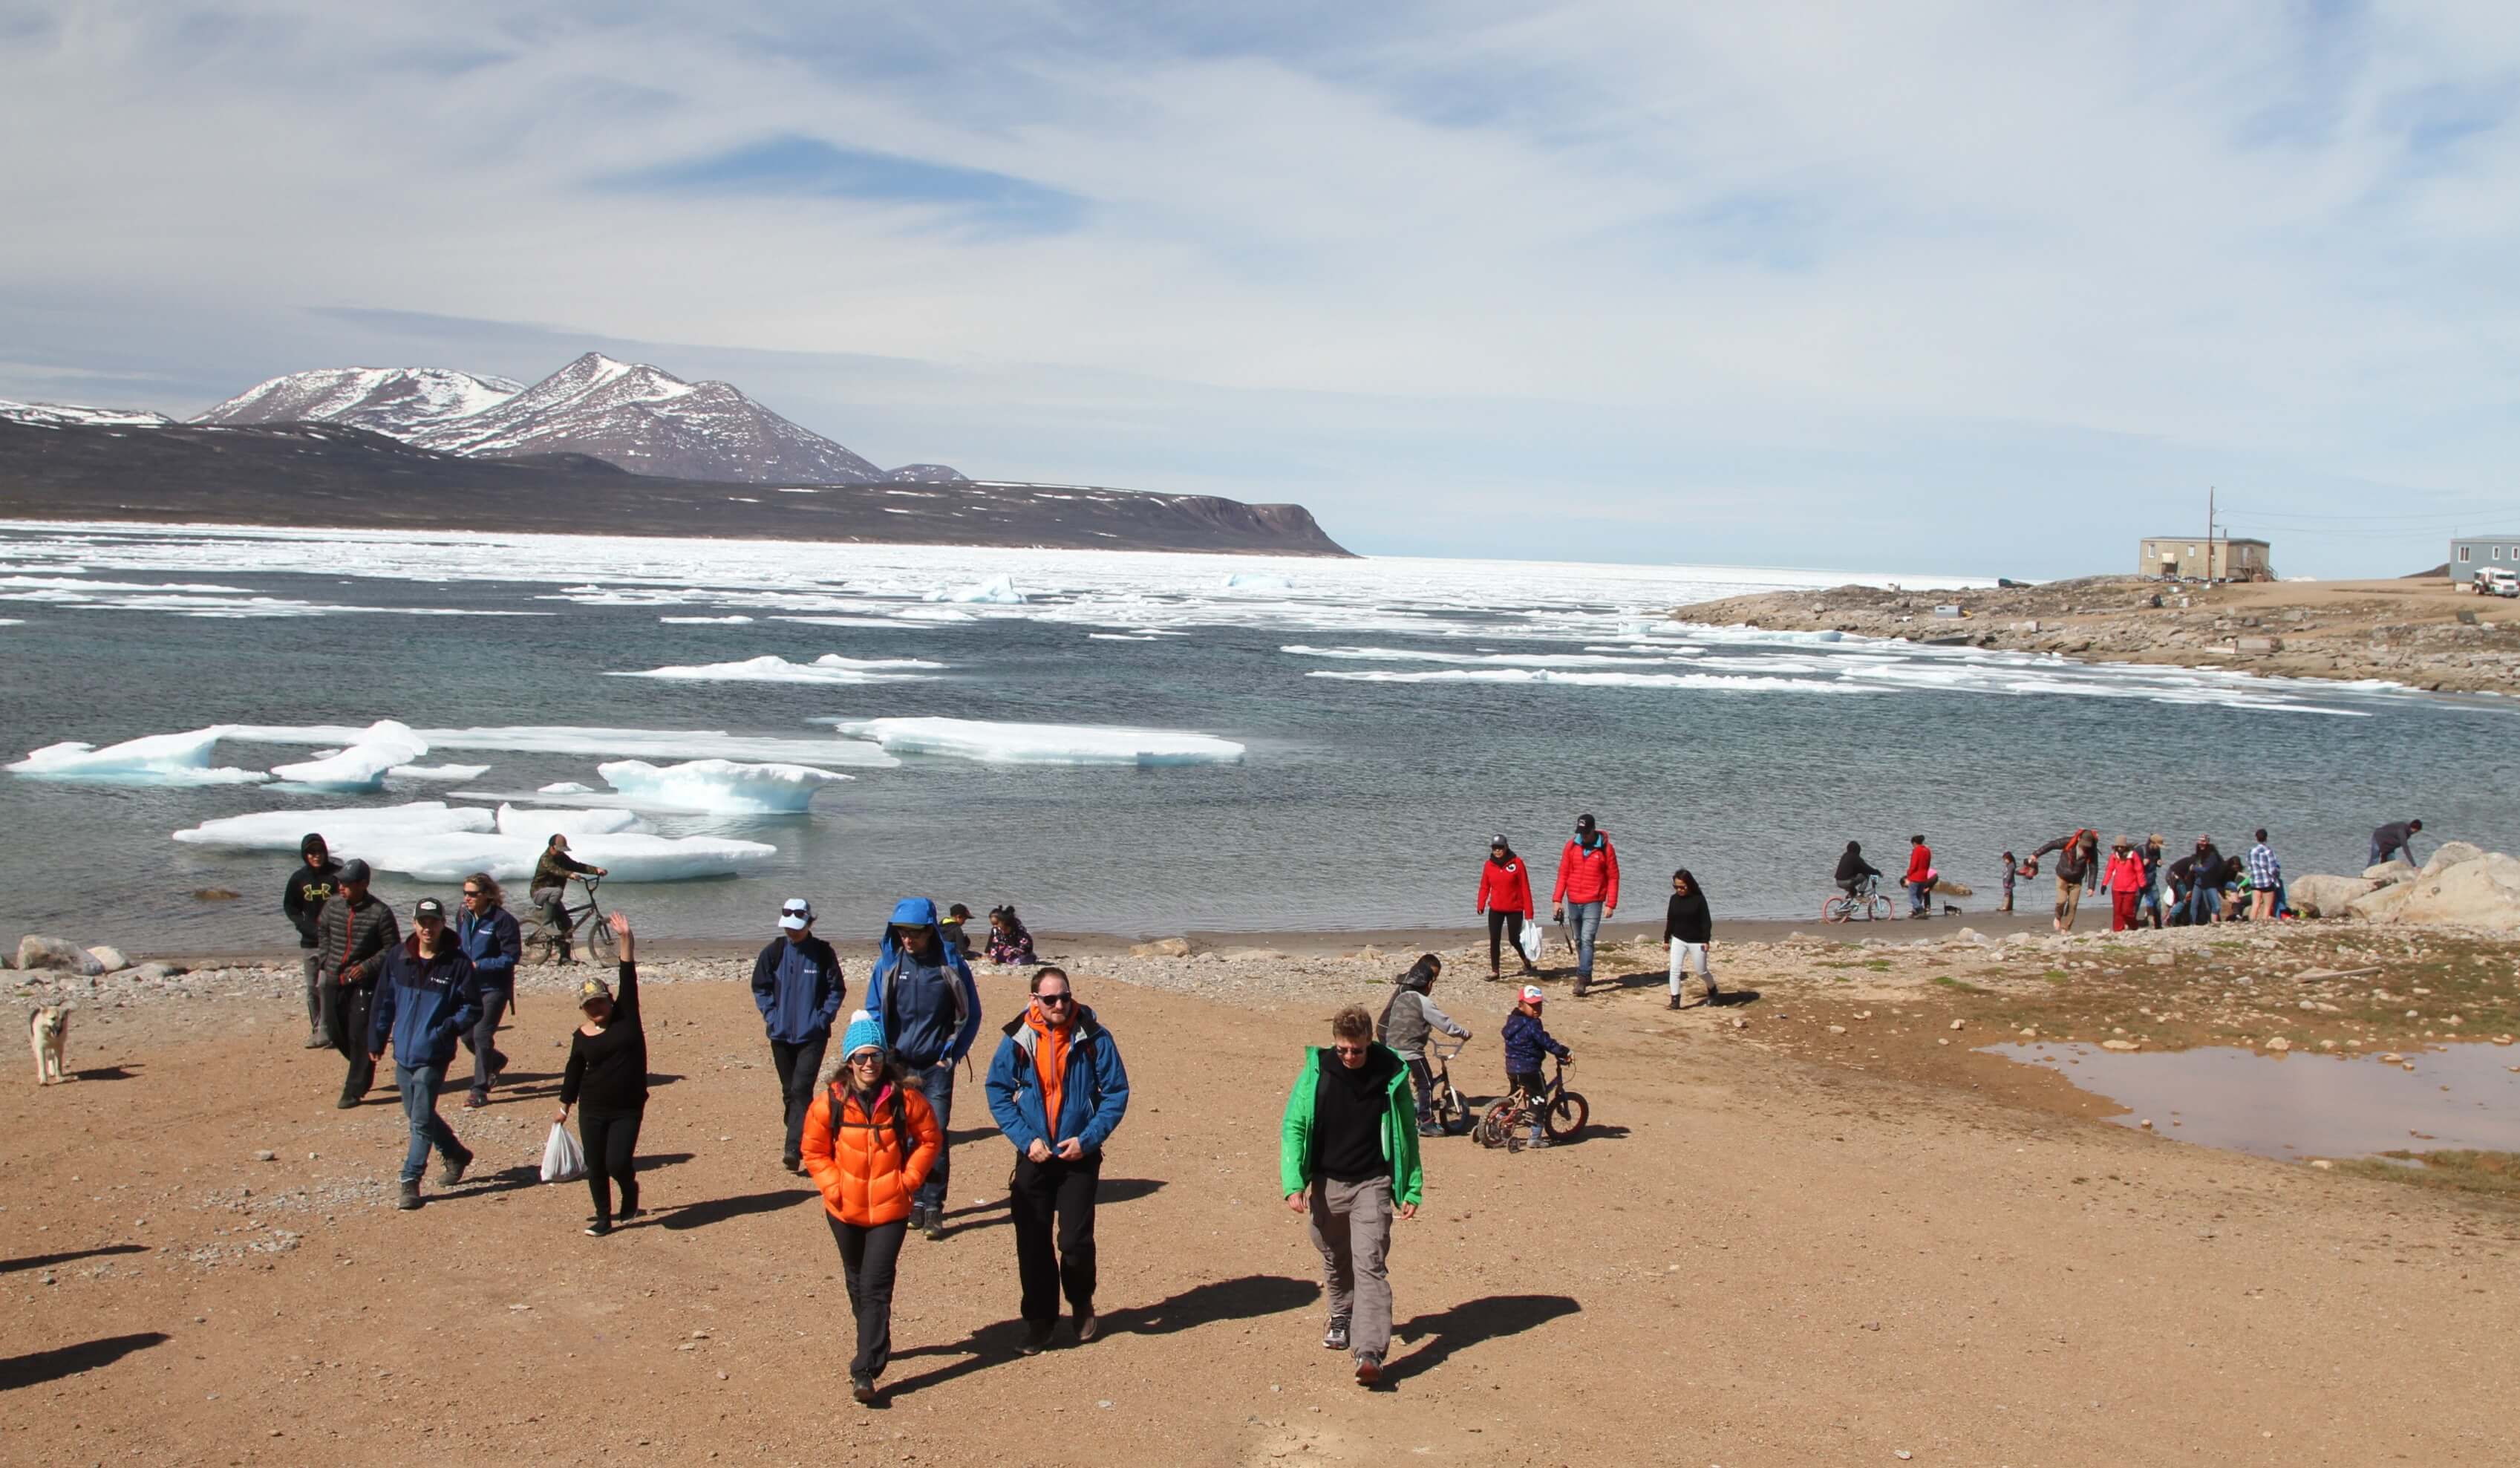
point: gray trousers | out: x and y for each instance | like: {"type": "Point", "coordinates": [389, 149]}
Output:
{"type": "Point", "coordinates": [482, 1041]}
{"type": "Point", "coordinates": [314, 993]}
{"type": "Point", "coordinates": [1352, 1228]}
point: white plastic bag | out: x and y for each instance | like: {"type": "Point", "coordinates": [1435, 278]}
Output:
{"type": "Point", "coordinates": [563, 1160]}
{"type": "Point", "coordinates": [1529, 941]}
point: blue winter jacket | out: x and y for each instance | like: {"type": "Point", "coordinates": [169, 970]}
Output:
{"type": "Point", "coordinates": [930, 1023]}
{"type": "Point", "coordinates": [798, 988]}
{"type": "Point", "coordinates": [424, 1003]}
{"type": "Point", "coordinates": [493, 945]}
{"type": "Point", "coordinates": [1525, 1038]}
{"type": "Point", "coordinates": [1092, 1099]}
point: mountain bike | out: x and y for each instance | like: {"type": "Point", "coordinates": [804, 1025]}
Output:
{"type": "Point", "coordinates": [1452, 1110]}
{"type": "Point", "coordinates": [1509, 1120]}
{"type": "Point", "coordinates": [543, 942]}
{"type": "Point", "coordinates": [1864, 904]}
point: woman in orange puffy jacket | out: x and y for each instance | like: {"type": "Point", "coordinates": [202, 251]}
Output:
{"type": "Point", "coordinates": [870, 1138]}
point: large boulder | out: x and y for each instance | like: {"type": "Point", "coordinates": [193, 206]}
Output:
{"type": "Point", "coordinates": [36, 950]}
{"type": "Point", "coordinates": [2451, 854]}
{"type": "Point", "coordinates": [2317, 895]}
{"type": "Point", "coordinates": [110, 957]}
{"type": "Point", "coordinates": [2393, 869]}
{"type": "Point", "coordinates": [2484, 893]}
{"type": "Point", "coordinates": [2381, 904]}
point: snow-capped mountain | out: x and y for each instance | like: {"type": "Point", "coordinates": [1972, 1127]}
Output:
{"type": "Point", "coordinates": [640, 418]}
{"type": "Point", "coordinates": [61, 415]}
{"type": "Point", "coordinates": [399, 402]}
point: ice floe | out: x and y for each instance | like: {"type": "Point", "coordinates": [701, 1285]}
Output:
{"type": "Point", "coordinates": [371, 752]}
{"type": "Point", "coordinates": [345, 831]}
{"type": "Point", "coordinates": [1258, 581]}
{"type": "Point", "coordinates": [597, 741]}
{"type": "Point", "coordinates": [998, 590]}
{"type": "Point", "coordinates": [830, 667]}
{"type": "Point", "coordinates": [565, 788]}
{"type": "Point", "coordinates": [1042, 743]}
{"type": "Point", "coordinates": [628, 855]}
{"type": "Point", "coordinates": [166, 759]}
{"type": "Point", "coordinates": [737, 620]}
{"type": "Point", "coordinates": [721, 787]}
{"type": "Point", "coordinates": [543, 825]}
{"type": "Point", "coordinates": [1728, 682]}
{"type": "Point", "coordinates": [439, 772]}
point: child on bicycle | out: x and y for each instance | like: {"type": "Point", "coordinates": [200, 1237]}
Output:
{"type": "Point", "coordinates": [1407, 1021]}
{"type": "Point", "coordinates": [1526, 1039]}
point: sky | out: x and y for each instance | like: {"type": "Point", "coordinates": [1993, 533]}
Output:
{"type": "Point", "coordinates": [1930, 286]}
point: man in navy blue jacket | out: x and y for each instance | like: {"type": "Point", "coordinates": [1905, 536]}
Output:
{"type": "Point", "coordinates": [798, 987]}
{"type": "Point", "coordinates": [487, 931]}
{"type": "Point", "coordinates": [1058, 1090]}
{"type": "Point", "coordinates": [428, 997]}
{"type": "Point", "coordinates": [922, 994]}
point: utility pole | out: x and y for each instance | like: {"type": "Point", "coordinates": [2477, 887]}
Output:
{"type": "Point", "coordinates": [2209, 535]}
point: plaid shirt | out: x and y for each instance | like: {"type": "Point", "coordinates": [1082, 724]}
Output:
{"type": "Point", "coordinates": [2263, 871]}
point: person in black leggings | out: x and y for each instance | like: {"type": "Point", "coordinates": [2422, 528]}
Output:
{"type": "Point", "coordinates": [608, 1070]}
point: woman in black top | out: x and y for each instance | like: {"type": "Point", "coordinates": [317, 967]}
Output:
{"type": "Point", "coordinates": [1690, 928]}
{"type": "Point", "coordinates": [607, 1069]}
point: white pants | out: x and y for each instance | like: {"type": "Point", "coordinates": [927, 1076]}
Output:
{"type": "Point", "coordinates": [1682, 954]}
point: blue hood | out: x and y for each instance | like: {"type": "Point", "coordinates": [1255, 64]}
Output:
{"type": "Point", "coordinates": [959, 1028]}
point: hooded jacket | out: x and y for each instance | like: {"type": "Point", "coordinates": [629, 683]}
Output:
{"type": "Point", "coordinates": [926, 1022]}
{"type": "Point", "coordinates": [350, 941]}
{"type": "Point", "coordinates": [1525, 1038]}
{"type": "Point", "coordinates": [1410, 1019]}
{"type": "Point", "coordinates": [1505, 886]}
{"type": "Point", "coordinates": [1851, 863]}
{"type": "Point", "coordinates": [1093, 1089]}
{"type": "Point", "coordinates": [308, 888]}
{"type": "Point", "coordinates": [1588, 873]}
{"type": "Point", "coordinates": [2126, 873]}
{"type": "Point", "coordinates": [1298, 1163]}
{"type": "Point", "coordinates": [424, 1002]}
{"type": "Point", "coordinates": [869, 1160]}
{"type": "Point", "coordinates": [798, 988]}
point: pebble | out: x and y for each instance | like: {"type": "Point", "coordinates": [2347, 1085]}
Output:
{"type": "Point", "coordinates": [2119, 1045]}
{"type": "Point", "coordinates": [2323, 1164]}
{"type": "Point", "coordinates": [1960, 1024]}
{"type": "Point", "coordinates": [267, 1155]}
{"type": "Point", "coordinates": [2279, 1045]}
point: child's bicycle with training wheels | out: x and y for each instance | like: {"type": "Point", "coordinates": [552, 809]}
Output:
{"type": "Point", "coordinates": [1452, 1108]}
{"type": "Point", "coordinates": [544, 942]}
{"type": "Point", "coordinates": [1564, 1114]}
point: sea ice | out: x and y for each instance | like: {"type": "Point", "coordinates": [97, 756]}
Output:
{"type": "Point", "coordinates": [601, 742]}
{"type": "Point", "coordinates": [542, 825]}
{"type": "Point", "coordinates": [629, 856]}
{"type": "Point", "coordinates": [168, 759]}
{"type": "Point", "coordinates": [565, 788]}
{"type": "Point", "coordinates": [721, 787]}
{"type": "Point", "coordinates": [362, 766]}
{"type": "Point", "coordinates": [439, 772]}
{"type": "Point", "coordinates": [1257, 581]}
{"type": "Point", "coordinates": [830, 667]}
{"type": "Point", "coordinates": [345, 831]}
{"type": "Point", "coordinates": [1719, 682]}
{"type": "Point", "coordinates": [1042, 743]}
{"type": "Point", "coordinates": [997, 591]}
{"type": "Point", "coordinates": [703, 621]}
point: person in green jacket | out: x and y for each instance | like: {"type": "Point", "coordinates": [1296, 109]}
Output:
{"type": "Point", "coordinates": [1347, 1155]}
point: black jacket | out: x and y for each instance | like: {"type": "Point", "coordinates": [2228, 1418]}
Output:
{"type": "Point", "coordinates": [1850, 866]}
{"type": "Point", "coordinates": [304, 896]}
{"type": "Point", "coordinates": [350, 942]}
{"type": "Point", "coordinates": [1688, 919]}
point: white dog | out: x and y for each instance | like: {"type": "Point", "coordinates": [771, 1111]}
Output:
{"type": "Point", "coordinates": [49, 1029]}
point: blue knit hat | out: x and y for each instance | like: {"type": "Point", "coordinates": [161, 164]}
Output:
{"type": "Point", "coordinates": [861, 1034]}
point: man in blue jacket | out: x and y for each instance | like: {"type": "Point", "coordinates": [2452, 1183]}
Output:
{"type": "Point", "coordinates": [922, 994]}
{"type": "Point", "coordinates": [1058, 1090]}
{"type": "Point", "coordinates": [487, 932]}
{"type": "Point", "coordinates": [428, 996]}
{"type": "Point", "coordinates": [798, 987]}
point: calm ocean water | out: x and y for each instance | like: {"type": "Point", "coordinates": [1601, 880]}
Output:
{"type": "Point", "coordinates": [1395, 714]}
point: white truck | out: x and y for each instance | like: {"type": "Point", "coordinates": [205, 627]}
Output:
{"type": "Point", "coordinates": [2496, 581]}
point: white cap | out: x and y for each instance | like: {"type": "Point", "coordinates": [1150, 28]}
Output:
{"type": "Point", "coordinates": [795, 914]}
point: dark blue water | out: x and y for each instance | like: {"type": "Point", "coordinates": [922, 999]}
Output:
{"type": "Point", "coordinates": [1360, 803]}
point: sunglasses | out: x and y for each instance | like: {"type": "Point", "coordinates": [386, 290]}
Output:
{"type": "Point", "coordinates": [1351, 1049]}
{"type": "Point", "coordinates": [866, 1060]}
{"type": "Point", "coordinates": [472, 892]}
{"type": "Point", "coordinates": [1053, 999]}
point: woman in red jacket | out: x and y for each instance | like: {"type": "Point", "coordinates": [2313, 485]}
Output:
{"type": "Point", "coordinates": [1919, 880]}
{"type": "Point", "coordinates": [2126, 883]}
{"type": "Point", "coordinates": [1505, 894]}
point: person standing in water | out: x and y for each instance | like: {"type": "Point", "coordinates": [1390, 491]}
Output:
{"type": "Point", "coordinates": [606, 1080]}
{"type": "Point", "coordinates": [1505, 896]}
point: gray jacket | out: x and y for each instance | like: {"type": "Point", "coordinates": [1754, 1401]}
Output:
{"type": "Point", "coordinates": [1409, 1019]}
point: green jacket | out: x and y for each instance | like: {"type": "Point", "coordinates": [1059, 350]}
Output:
{"type": "Point", "coordinates": [1399, 1134]}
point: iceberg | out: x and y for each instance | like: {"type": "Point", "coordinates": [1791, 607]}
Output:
{"type": "Point", "coordinates": [542, 825]}
{"type": "Point", "coordinates": [348, 830]}
{"type": "Point", "coordinates": [439, 772]}
{"type": "Point", "coordinates": [375, 749]}
{"type": "Point", "coordinates": [609, 744]}
{"type": "Point", "coordinates": [1042, 743]}
{"type": "Point", "coordinates": [997, 591]}
{"type": "Point", "coordinates": [830, 667]}
{"type": "Point", "coordinates": [719, 787]}
{"type": "Point", "coordinates": [628, 855]}
{"type": "Point", "coordinates": [168, 759]}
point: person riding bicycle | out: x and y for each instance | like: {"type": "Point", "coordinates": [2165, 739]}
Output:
{"type": "Point", "coordinates": [1407, 1021]}
{"type": "Point", "coordinates": [550, 889]}
{"type": "Point", "coordinates": [1854, 874]}
{"type": "Point", "coordinates": [1525, 1040]}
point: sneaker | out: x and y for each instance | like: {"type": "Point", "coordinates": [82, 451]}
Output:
{"type": "Point", "coordinates": [627, 1213]}
{"type": "Point", "coordinates": [451, 1171]}
{"type": "Point", "coordinates": [317, 1043]}
{"type": "Point", "coordinates": [1368, 1370]}
{"type": "Point", "coordinates": [345, 1104]}
{"type": "Point", "coordinates": [1036, 1338]}
{"type": "Point", "coordinates": [598, 1230]}
{"type": "Point", "coordinates": [1335, 1338]}
{"type": "Point", "coordinates": [1540, 1141]}
{"type": "Point", "coordinates": [789, 1163]}
{"type": "Point", "coordinates": [475, 1102]}
{"type": "Point", "coordinates": [1087, 1326]}
{"type": "Point", "coordinates": [1429, 1128]}
{"type": "Point", "coordinates": [862, 1389]}
{"type": "Point", "coordinates": [1581, 984]}
{"type": "Point", "coordinates": [935, 1225]}
{"type": "Point", "coordinates": [409, 1198]}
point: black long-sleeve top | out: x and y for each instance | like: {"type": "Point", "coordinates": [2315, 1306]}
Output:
{"type": "Point", "coordinates": [608, 1072]}
{"type": "Point", "coordinates": [1688, 919]}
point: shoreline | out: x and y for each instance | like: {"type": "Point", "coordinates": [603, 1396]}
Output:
{"type": "Point", "coordinates": [2419, 633]}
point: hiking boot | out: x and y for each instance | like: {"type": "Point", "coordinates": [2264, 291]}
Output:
{"type": "Point", "coordinates": [936, 1225]}
{"type": "Point", "coordinates": [862, 1390]}
{"type": "Point", "coordinates": [345, 1104]}
{"type": "Point", "coordinates": [1036, 1338]}
{"type": "Point", "coordinates": [1369, 1369]}
{"type": "Point", "coordinates": [1581, 984]}
{"type": "Point", "coordinates": [1087, 1326]}
{"type": "Point", "coordinates": [1712, 992]}
{"type": "Point", "coordinates": [451, 1171]}
{"type": "Point", "coordinates": [476, 1100]}
{"type": "Point", "coordinates": [317, 1043]}
{"type": "Point", "coordinates": [409, 1198]}
{"type": "Point", "coordinates": [1335, 1338]}
{"type": "Point", "coordinates": [1675, 1002]}
{"type": "Point", "coordinates": [789, 1162]}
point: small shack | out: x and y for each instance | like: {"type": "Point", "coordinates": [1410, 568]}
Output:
{"type": "Point", "coordinates": [2471, 553]}
{"type": "Point", "coordinates": [2195, 559]}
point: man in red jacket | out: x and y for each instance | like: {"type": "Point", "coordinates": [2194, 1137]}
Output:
{"type": "Point", "coordinates": [1587, 891]}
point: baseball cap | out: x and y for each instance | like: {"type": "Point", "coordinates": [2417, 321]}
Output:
{"type": "Point", "coordinates": [591, 991]}
{"type": "Point", "coordinates": [796, 913]}
{"type": "Point", "coordinates": [354, 870]}
{"type": "Point", "coordinates": [428, 907]}
{"type": "Point", "coordinates": [1531, 994]}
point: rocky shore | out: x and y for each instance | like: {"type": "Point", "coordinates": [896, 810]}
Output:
{"type": "Point", "coordinates": [2418, 632]}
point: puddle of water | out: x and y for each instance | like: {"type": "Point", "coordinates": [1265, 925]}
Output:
{"type": "Point", "coordinates": [2302, 1105]}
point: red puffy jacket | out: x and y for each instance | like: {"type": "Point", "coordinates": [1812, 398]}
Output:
{"type": "Point", "coordinates": [1921, 863]}
{"type": "Point", "coordinates": [1588, 876]}
{"type": "Point", "coordinates": [1506, 888]}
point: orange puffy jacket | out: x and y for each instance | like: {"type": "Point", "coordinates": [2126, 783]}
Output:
{"type": "Point", "coordinates": [859, 1164]}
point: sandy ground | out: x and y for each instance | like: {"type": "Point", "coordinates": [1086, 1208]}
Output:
{"type": "Point", "coordinates": [2406, 631]}
{"type": "Point", "coordinates": [1759, 1253]}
